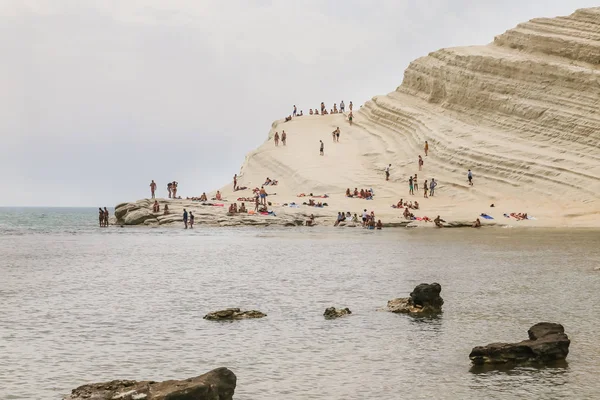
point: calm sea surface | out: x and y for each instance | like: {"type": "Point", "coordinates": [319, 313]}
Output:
{"type": "Point", "coordinates": [81, 304]}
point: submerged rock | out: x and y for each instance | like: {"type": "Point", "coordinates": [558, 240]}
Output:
{"type": "Point", "coordinates": [424, 299]}
{"type": "Point", "coordinates": [233, 313]}
{"type": "Point", "coordinates": [333, 312]}
{"type": "Point", "coordinates": [547, 342]}
{"type": "Point", "coordinates": [218, 384]}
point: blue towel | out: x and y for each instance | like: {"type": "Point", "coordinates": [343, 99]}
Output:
{"type": "Point", "coordinates": [486, 216]}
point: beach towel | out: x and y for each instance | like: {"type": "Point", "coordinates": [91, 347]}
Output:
{"type": "Point", "coordinates": [294, 206]}
{"type": "Point", "coordinates": [486, 216]}
{"type": "Point", "coordinates": [251, 212]}
{"type": "Point", "coordinates": [529, 217]}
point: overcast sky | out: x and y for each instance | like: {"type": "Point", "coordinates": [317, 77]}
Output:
{"type": "Point", "coordinates": [99, 97]}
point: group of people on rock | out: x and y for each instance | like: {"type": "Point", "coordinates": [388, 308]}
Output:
{"type": "Point", "coordinates": [368, 219]}
{"type": "Point", "coordinates": [428, 187]}
{"type": "Point", "coordinates": [103, 217]}
{"type": "Point", "coordinates": [271, 182]}
{"type": "Point", "coordinates": [404, 204]}
{"type": "Point", "coordinates": [233, 208]}
{"type": "Point", "coordinates": [156, 208]}
{"type": "Point", "coordinates": [333, 110]}
{"type": "Point", "coordinates": [277, 137]}
{"type": "Point", "coordinates": [366, 194]}
{"type": "Point", "coordinates": [172, 189]}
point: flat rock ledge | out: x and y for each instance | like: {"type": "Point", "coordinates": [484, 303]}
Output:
{"type": "Point", "coordinates": [547, 342]}
{"type": "Point", "coordinates": [218, 384]}
{"type": "Point", "coordinates": [332, 312]}
{"type": "Point", "coordinates": [424, 299]}
{"type": "Point", "coordinates": [232, 314]}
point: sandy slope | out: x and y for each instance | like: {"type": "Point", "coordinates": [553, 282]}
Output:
{"type": "Point", "coordinates": [521, 113]}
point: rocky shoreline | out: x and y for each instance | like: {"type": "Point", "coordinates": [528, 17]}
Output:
{"type": "Point", "coordinates": [139, 213]}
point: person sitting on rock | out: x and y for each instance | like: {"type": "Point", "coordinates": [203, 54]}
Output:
{"type": "Point", "coordinates": [218, 196]}
{"type": "Point", "coordinates": [155, 206]}
{"type": "Point", "coordinates": [379, 224]}
{"type": "Point", "coordinates": [406, 213]}
{"type": "Point", "coordinates": [166, 209]}
{"type": "Point", "coordinates": [311, 220]}
{"type": "Point", "coordinates": [355, 218]}
{"type": "Point", "coordinates": [203, 197]}
{"type": "Point", "coordinates": [301, 114]}
{"type": "Point", "coordinates": [477, 223]}
{"type": "Point", "coordinates": [310, 111]}
{"type": "Point", "coordinates": [362, 193]}
{"type": "Point", "coordinates": [316, 112]}
{"type": "Point", "coordinates": [288, 118]}
{"type": "Point", "coordinates": [438, 222]}
{"type": "Point", "coordinates": [243, 208]}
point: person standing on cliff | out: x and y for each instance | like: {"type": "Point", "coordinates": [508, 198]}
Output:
{"type": "Point", "coordinates": [185, 218]}
{"type": "Point", "coordinates": [342, 106]}
{"type": "Point", "coordinates": [283, 137]}
{"type": "Point", "coordinates": [174, 189]}
{"type": "Point", "coordinates": [276, 138]}
{"type": "Point", "coordinates": [234, 182]}
{"type": "Point", "coordinates": [426, 148]}
{"type": "Point", "coordinates": [432, 186]}
{"type": "Point", "coordinates": [295, 111]}
{"type": "Point", "coordinates": [169, 187]}
{"type": "Point", "coordinates": [350, 106]}
{"type": "Point", "coordinates": [387, 172]}
{"type": "Point", "coordinates": [152, 188]}
{"type": "Point", "coordinates": [420, 163]}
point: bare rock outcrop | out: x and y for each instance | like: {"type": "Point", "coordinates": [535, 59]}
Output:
{"type": "Point", "coordinates": [232, 314]}
{"type": "Point", "coordinates": [218, 384]}
{"type": "Point", "coordinates": [332, 312]}
{"type": "Point", "coordinates": [424, 299]}
{"type": "Point", "coordinates": [547, 342]}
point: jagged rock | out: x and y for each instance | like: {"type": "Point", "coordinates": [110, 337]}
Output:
{"type": "Point", "coordinates": [218, 384]}
{"type": "Point", "coordinates": [547, 342]}
{"type": "Point", "coordinates": [233, 313]}
{"type": "Point", "coordinates": [424, 299]}
{"type": "Point", "coordinates": [333, 312]}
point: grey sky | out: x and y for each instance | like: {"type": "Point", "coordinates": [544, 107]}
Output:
{"type": "Point", "coordinates": [100, 97]}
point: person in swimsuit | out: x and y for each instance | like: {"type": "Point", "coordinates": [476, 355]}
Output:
{"type": "Point", "coordinates": [105, 216]}
{"type": "Point", "coordinates": [411, 189]}
{"type": "Point", "coordinates": [310, 111]}
{"type": "Point", "coordinates": [337, 134]}
{"type": "Point", "coordinates": [322, 148]}
{"type": "Point", "coordinates": [283, 137]}
{"type": "Point", "coordinates": [276, 138]}
{"type": "Point", "coordinates": [342, 106]}
{"type": "Point", "coordinates": [416, 183]}
{"type": "Point", "coordinates": [311, 220]}
{"type": "Point", "coordinates": [477, 223]}
{"type": "Point", "coordinates": [185, 218]}
{"type": "Point", "coordinates": [174, 189]}
{"type": "Point", "coordinates": [263, 196]}
{"type": "Point", "coordinates": [426, 148]}
{"type": "Point", "coordinates": [191, 220]}
{"type": "Point", "coordinates": [365, 216]}
{"type": "Point", "coordinates": [203, 197]}
{"type": "Point", "coordinates": [379, 224]}
{"type": "Point", "coordinates": [425, 189]}
{"type": "Point", "coordinates": [169, 186]}
{"type": "Point", "coordinates": [166, 209]}
{"type": "Point", "coordinates": [234, 182]}
{"type": "Point", "coordinates": [432, 186]}
{"type": "Point", "coordinates": [218, 196]}
{"type": "Point", "coordinates": [101, 216]}
{"type": "Point", "coordinates": [470, 177]}
{"type": "Point", "coordinates": [256, 203]}
{"type": "Point", "coordinates": [350, 106]}
{"type": "Point", "coordinates": [387, 172]}
{"type": "Point", "coordinates": [420, 163]}
{"type": "Point", "coordinates": [350, 115]}
{"type": "Point", "coordinates": [152, 188]}
{"type": "Point", "coordinates": [322, 108]}
{"type": "Point", "coordinates": [295, 111]}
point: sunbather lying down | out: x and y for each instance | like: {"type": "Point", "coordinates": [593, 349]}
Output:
{"type": "Point", "coordinates": [518, 216]}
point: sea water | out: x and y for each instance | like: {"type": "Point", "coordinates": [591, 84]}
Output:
{"type": "Point", "coordinates": [80, 304]}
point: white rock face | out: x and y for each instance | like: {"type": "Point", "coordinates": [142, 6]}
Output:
{"type": "Point", "coordinates": [521, 113]}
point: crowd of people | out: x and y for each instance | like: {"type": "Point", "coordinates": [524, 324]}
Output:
{"type": "Point", "coordinates": [366, 194]}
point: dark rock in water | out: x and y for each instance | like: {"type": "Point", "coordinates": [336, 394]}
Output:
{"type": "Point", "coordinates": [333, 312]}
{"type": "Point", "coordinates": [547, 342]}
{"type": "Point", "coordinates": [233, 313]}
{"type": "Point", "coordinates": [424, 299]}
{"type": "Point", "coordinates": [218, 384]}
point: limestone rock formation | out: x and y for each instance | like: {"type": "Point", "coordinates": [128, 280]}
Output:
{"type": "Point", "coordinates": [332, 312]}
{"type": "Point", "coordinates": [218, 384]}
{"type": "Point", "coordinates": [424, 299]}
{"type": "Point", "coordinates": [547, 342]}
{"type": "Point", "coordinates": [233, 313]}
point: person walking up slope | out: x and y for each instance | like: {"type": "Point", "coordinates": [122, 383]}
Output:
{"type": "Point", "coordinates": [322, 148]}
{"type": "Point", "coordinates": [387, 172]}
{"type": "Point", "coordinates": [432, 186]}
{"type": "Point", "coordinates": [470, 177]}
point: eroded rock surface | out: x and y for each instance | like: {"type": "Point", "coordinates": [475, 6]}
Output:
{"type": "Point", "coordinates": [332, 312]}
{"type": "Point", "coordinates": [218, 384]}
{"type": "Point", "coordinates": [547, 342]}
{"type": "Point", "coordinates": [424, 299]}
{"type": "Point", "coordinates": [233, 313]}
